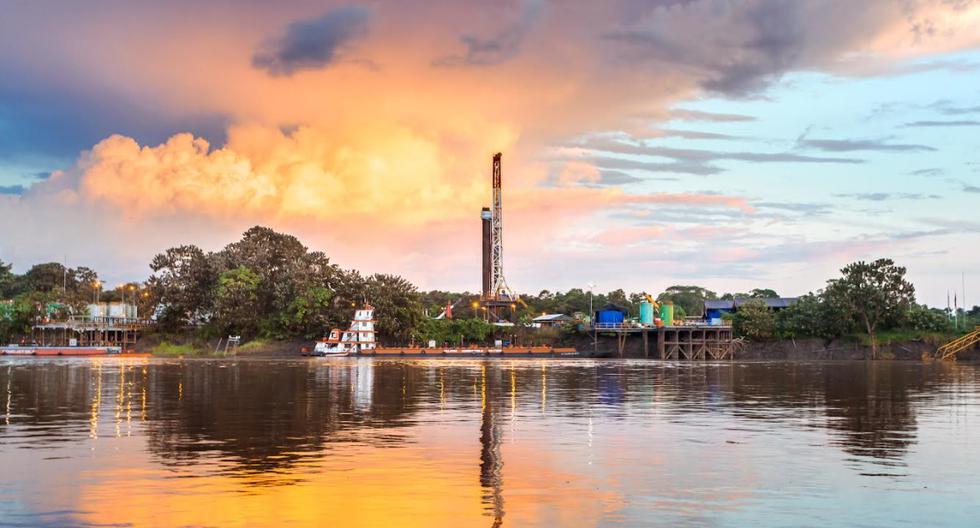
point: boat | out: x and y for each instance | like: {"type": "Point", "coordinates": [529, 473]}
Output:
{"type": "Point", "coordinates": [67, 351]}
{"type": "Point", "coordinates": [359, 340]}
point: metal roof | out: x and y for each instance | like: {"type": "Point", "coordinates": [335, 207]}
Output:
{"type": "Point", "coordinates": [552, 317]}
{"type": "Point", "coordinates": [776, 302]}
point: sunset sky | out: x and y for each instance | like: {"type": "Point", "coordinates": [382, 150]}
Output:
{"type": "Point", "coordinates": [728, 143]}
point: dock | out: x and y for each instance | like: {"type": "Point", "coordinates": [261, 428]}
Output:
{"type": "Point", "coordinates": [683, 342]}
{"type": "Point", "coordinates": [470, 352]}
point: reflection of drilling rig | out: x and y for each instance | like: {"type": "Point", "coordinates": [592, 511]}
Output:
{"type": "Point", "coordinates": [497, 296]}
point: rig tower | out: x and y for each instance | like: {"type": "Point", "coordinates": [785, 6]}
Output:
{"type": "Point", "coordinates": [496, 293]}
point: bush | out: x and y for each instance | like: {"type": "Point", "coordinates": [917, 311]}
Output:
{"type": "Point", "coordinates": [169, 349]}
{"type": "Point", "coordinates": [921, 317]}
{"type": "Point", "coordinates": [452, 330]}
{"type": "Point", "coordinates": [754, 320]}
{"type": "Point", "coordinates": [811, 316]}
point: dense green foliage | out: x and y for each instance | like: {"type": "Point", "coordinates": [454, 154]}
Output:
{"type": "Point", "coordinates": [451, 331]}
{"type": "Point", "coordinates": [269, 285]}
{"type": "Point", "coordinates": [755, 320]}
{"type": "Point", "coordinates": [871, 294]}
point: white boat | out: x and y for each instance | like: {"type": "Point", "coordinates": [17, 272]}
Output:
{"type": "Point", "coordinates": [358, 338]}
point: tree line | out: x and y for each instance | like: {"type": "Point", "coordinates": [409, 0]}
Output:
{"type": "Point", "coordinates": [268, 284]}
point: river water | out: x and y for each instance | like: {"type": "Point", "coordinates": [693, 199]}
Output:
{"type": "Point", "coordinates": [358, 442]}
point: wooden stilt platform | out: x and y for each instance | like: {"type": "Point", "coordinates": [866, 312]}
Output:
{"type": "Point", "coordinates": [689, 342]}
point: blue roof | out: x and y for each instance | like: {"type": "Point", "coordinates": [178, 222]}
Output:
{"type": "Point", "coordinates": [776, 302]}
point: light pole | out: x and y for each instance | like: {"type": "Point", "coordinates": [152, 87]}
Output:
{"type": "Point", "coordinates": [595, 336]}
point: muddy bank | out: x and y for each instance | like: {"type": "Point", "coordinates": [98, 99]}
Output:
{"type": "Point", "coordinates": [790, 349]}
{"type": "Point", "coordinates": [605, 347]}
{"type": "Point", "coordinates": [189, 345]}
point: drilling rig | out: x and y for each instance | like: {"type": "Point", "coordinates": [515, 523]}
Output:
{"type": "Point", "coordinates": [497, 296]}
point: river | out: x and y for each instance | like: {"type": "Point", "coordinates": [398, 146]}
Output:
{"type": "Point", "coordinates": [363, 442]}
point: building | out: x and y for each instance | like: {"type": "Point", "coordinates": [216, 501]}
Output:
{"type": "Point", "coordinates": [610, 316]}
{"type": "Point", "coordinates": [113, 310]}
{"type": "Point", "coordinates": [550, 320]}
{"type": "Point", "coordinates": [715, 309]}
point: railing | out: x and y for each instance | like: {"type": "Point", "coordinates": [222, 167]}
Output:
{"type": "Point", "coordinates": [949, 350]}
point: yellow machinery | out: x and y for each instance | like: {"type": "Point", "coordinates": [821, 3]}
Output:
{"type": "Point", "coordinates": [949, 350]}
{"type": "Point", "coordinates": [649, 298]}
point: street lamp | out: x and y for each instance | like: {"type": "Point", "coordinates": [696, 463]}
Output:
{"type": "Point", "coordinates": [595, 336]}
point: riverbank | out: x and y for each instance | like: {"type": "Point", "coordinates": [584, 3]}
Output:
{"type": "Point", "coordinates": [857, 347]}
{"type": "Point", "coordinates": [180, 345]}
{"type": "Point", "coordinates": [891, 347]}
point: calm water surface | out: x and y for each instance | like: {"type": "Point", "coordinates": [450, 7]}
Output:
{"type": "Point", "coordinates": [473, 443]}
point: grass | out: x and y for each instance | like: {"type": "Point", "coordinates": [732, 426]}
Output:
{"type": "Point", "coordinates": [254, 345]}
{"type": "Point", "coordinates": [168, 349]}
{"type": "Point", "coordinates": [902, 335]}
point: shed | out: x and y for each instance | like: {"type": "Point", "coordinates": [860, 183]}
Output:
{"type": "Point", "coordinates": [611, 314]}
{"type": "Point", "coordinates": [714, 309]}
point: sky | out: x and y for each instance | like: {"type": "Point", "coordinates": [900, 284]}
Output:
{"type": "Point", "coordinates": [733, 144]}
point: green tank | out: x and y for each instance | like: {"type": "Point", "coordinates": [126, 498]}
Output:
{"type": "Point", "coordinates": [667, 313]}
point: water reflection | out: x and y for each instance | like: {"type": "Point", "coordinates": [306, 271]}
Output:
{"type": "Point", "coordinates": [361, 441]}
{"type": "Point", "coordinates": [491, 463]}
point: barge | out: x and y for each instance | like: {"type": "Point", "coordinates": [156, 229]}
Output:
{"type": "Point", "coordinates": [359, 340]}
{"type": "Point", "coordinates": [66, 351]}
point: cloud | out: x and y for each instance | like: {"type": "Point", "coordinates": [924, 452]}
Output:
{"type": "Point", "coordinates": [312, 44]}
{"type": "Point", "coordinates": [885, 196]}
{"type": "Point", "coordinates": [947, 107]}
{"type": "Point", "coordinates": [751, 44]}
{"type": "Point", "coordinates": [500, 46]}
{"type": "Point", "coordinates": [697, 168]}
{"type": "Point", "coordinates": [691, 161]}
{"type": "Point", "coordinates": [681, 114]}
{"type": "Point", "coordinates": [612, 177]}
{"type": "Point", "coordinates": [796, 207]}
{"type": "Point", "coordinates": [695, 134]}
{"type": "Point", "coordinates": [951, 123]}
{"type": "Point", "coordinates": [859, 145]}
{"type": "Point", "coordinates": [403, 150]}
{"type": "Point", "coordinates": [930, 172]}
{"type": "Point", "coordinates": [40, 120]}
{"type": "Point", "coordinates": [12, 189]}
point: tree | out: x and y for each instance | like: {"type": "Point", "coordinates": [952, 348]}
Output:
{"type": "Point", "coordinates": [451, 331]}
{"type": "Point", "coordinates": [690, 298]}
{"type": "Point", "coordinates": [921, 317]}
{"type": "Point", "coordinates": [237, 301]}
{"type": "Point", "coordinates": [47, 277]}
{"type": "Point", "coordinates": [397, 304]}
{"type": "Point", "coordinates": [618, 297]}
{"type": "Point", "coordinates": [308, 314]}
{"type": "Point", "coordinates": [86, 282]}
{"type": "Point", "coordinates": [276, 258]}
{"type": "Point", "coordinates": [871, 294]}
{"type": "Point", "coordinates": [7, 278]}
{"type": "Point", "coordinates": [811, 316]}
{"type": "Point", "coordinates": [183, 281]}
{"type": "Point", "coordinates": [755, 320]}
{"type": "Point", "coordinates": [763, 293]}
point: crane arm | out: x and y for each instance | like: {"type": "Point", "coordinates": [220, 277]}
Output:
{"type": "Point", "coordinates": [650, 300]}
